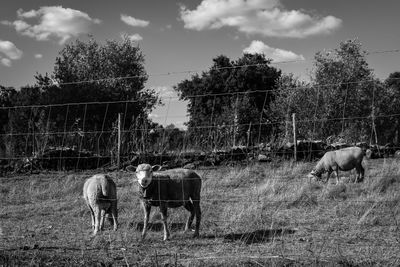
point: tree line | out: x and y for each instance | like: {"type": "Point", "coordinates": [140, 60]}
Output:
{"type": "Point", "coordinates": [247, 101]}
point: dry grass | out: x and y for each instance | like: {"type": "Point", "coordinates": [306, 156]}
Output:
{"type": "Point", "coordinates": [255, 215]}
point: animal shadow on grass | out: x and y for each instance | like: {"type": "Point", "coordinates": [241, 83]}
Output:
{"type": "Point", "coordinates": [258, 236]}
{"type": "Point", "coordinates": [157, 226]}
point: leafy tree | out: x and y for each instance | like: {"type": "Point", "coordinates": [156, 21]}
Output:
{"type": "Point", "coordinates": [388, 122]}
{"type": "Point", "coordinates": [7, 96]}
{"type": "Point", "coordinates": [174, 138]}
{"type": "Point", "coordinates": [346, 89]}
{"type": "Point", "coordinates": [90, 72]}
{"type": "Point", "coordinates": [294, 96]}
{"type": "Point", "coordinates": [226, 102]}
{"type": "Point", "coordinates": [27, 122]}
{"type": "Point", "coordinates": [86, 71]}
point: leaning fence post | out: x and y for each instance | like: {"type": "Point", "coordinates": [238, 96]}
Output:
{"type": "Point", "coordinates": [119, 142]}
{"type": "Point", "coordinates": [294, 136]}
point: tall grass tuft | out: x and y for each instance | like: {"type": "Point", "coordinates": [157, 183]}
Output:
{"type": "Point", "coordinates": [336, 192]}
{"type": "Point", "coordinates": [305, 196]}
{"type": "Point", "coordinates": [384, 182]}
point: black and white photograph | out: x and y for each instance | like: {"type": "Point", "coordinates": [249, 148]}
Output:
{"type": "Point", "coordinates": [199, 133]}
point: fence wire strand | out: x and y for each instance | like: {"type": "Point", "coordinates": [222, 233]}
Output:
{"type": "Point", "coordinates": [305, 232]}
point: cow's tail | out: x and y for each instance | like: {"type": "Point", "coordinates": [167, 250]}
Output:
{"type": "Point", "coordinates": [105, 186]}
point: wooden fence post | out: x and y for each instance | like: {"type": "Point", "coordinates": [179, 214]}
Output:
{"type": "Point", "coordinates": [294, 136]}
{"type": "Point", "coordinates": [119, 142]}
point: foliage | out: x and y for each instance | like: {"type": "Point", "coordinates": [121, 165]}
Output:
{"type": "Point", "coordinates": [294, 96]}
{"type": "Point", "coordinates": [105, 65]}
{"type": "Point", "coordinates": [342, 87]}
{"type": "Point", "coordinates": [346, 89]}
{"type": "Point", "coordinates": [84, 72]}
{"type": "Point", "coordinates": [235, 102]}
{"type": "Point", "coordinates": [343, 101]}
{"type": "Point", "coordinates": [388, 110]}
{"type": "Point", "coordinates": [7, 98]}
{"type": "Point", "coordinates": [229, 102]}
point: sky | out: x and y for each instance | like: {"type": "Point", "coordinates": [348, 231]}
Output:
{"type": "Point", "coordinates": [180, 38]}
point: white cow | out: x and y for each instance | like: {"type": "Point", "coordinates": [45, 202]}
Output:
{"type": "Point", "coordinates": [100, 194]}
{"type": "Point", "coordinates": [344, 159]}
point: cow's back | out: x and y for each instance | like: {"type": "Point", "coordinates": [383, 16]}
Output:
{"type": "Point", "coordinates": [183, 183]}
{"type": "Point", "coordinates": [99, 188]}
{"type": "Point", "coordinates": [348, 158]}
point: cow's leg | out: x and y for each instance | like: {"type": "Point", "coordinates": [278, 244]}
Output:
{"type": "Point", "coordinates": [197, 212]}
{"type": "Point", "coordinates": [102, 218]}
{"type": "Point", "coordinates": [146, 209]}
{"type": "Point", "coordinates": [328, 175]}
{"type": "Point", "coordinates": [109, 217]}
{"type": "Point", "coordinates": [114, 214]}
{"type": "Point", "coordinates": [97, 218]}
{"type": "Point", "coordinates": [91, 215]}
{"type": "Point", "coordinates": [360, 174]}
{"type": "Point", "coordinates": [164, 217]}
{"type": "Point", "coordinates": [336, 171]}
{"type": "Point", "coordinates": [189, 206]}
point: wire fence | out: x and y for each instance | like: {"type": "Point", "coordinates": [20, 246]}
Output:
{"type": "Point", "coordinates": [252, 212]}
{"type": "Point", "coordinates": [89, 131]}
{"type": "Point", "coordinates": [240, 222]}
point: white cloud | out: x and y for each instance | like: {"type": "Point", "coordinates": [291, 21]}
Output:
{"type": "Point", "coordinates": [10, 50]}
{"type": "Point", "coordinates": [52, 21]}
{"type": "Point", "coordinates": [166, 28]}
{"type": "Point", "coordinates": [264, 17]}
{"type": "Point", "coordinates": [165, 91]}
{"type": "Point", "coordinates": [154, 116]}
{"type": "Point", "coordinates": [133, 37]}
{"type": "Point", "coordinates": [27, 14]}
{"type": "Point", "coordinates": [131, 21]}
{"type": "Point", "coordinates": [5, 61]}
{"type": "Point", "coordinates": [276, 54]}
{"type": "Point", "coordinates": [38, 56]}
{"type": "Point", "coordinates": [180, 124]}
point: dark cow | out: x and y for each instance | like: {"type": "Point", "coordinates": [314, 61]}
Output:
{"type": "Point", "coordinates": [168, 189]}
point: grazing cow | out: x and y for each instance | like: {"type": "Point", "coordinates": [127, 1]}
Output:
{"type": "Point", "coordinates": [100, 194]}
{"type": "Point", "coordinates": [344, 159]}
{"type": "Point", "coordinates": [168, 189]}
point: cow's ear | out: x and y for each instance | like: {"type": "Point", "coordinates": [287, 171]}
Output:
{"type": "Point", "coordinates": [131, 168]}
{"type": "Point", "coordinates": [156, 168]}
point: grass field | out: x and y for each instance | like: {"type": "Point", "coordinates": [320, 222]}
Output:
{"type": "Point", "coordinates": [253, 215]}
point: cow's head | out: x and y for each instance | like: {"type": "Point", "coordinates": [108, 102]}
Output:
{"type": "Point", "coordinates": [144, 173]}
{"type": "Point", "coordinates": [314, 174]}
